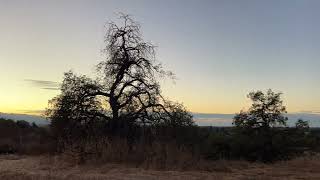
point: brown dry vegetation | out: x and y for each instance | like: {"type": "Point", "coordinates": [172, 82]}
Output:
{"type": "Point", "coordinates": [57, 168]}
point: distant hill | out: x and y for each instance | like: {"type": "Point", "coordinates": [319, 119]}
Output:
{"type": "Point", "coordinates": [29, 118]}
{"type": "Point", "coordinates": [203, 119]}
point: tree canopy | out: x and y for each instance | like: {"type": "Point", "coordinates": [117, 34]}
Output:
{"type": "Point", "coordinates": [266, 111]}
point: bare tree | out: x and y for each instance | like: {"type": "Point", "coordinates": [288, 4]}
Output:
{"type": "Point", "coordinates": [129, 74]}
{"type": "Point", "coordinates": [127, 90]}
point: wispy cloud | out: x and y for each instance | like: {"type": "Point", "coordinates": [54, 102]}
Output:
{"type": "Point", "coordinates": [310, 112]}
{"type": "Point", "coordinates": [48, 85]}
{"type": "Point", "coordinates": [50, 88]}
{"type": "Point", "coordinates": [37, 112]}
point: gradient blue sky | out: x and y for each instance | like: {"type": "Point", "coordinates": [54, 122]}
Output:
{"type": "Point", "coordinates": [219, 50]}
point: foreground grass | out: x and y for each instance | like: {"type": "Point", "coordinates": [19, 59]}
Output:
{"type": "Point", "coordinates": [56, 168]}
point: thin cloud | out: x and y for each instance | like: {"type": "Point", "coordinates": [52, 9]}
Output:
{"type": "Point", "coordinates": [49, 88]}
{"type": "Point", "coordinates": [47, 85]}
{"type": "Point", "coordinates": [310, 112]}
{"type": "Point", "coordinates": [39, 112]}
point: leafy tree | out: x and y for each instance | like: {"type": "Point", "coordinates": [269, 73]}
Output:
{"type": "Point", "coordinates": [256, 135]}
{"type": "Point", "coordinates": [73, 113]}
{"type": "Point", "coordinates": [23, 124]}
{"type": "Point", "coordinates": [266, 111]}
{"type": "Point", "coordinates": [179, 116]}
{"type": "Point", "coordinates": [301, 124]}
{"type": "Point", "coordinates": [175, 126]}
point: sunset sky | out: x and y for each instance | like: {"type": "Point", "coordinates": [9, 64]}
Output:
{"type": "Point", "coordinates": [219, 50]}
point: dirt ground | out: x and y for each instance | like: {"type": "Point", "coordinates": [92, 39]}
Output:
{"type": "Point", "coordinates": [53, 168]}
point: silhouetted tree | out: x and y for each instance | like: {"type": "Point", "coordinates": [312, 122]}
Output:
{"type": "Point", "coordinates": [129, 74]}
{"type": "Point", "coordinates": [178, 116]}
{"type": "Point", "coordinates": [256, 137]}
{"type": "Point", "coordinates": [74, 115]}
{"type": "Point", "coordinates": [266, 111]}
{"type": "Point", "coordinates": [23, 124]}
{"type": "Point", "coordinates": [126, 93]}
{"type": "Point", "coordinates": [174, 126]}
{"type": "Point", "coordinates": [301, 124]}
{"type": "Point", "coordinates": [19, 136]}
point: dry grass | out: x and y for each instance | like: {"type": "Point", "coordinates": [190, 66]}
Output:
{"type": "Point", "coordinates": [56, 168]}
{"type": "Point", "coordinates": [159, 156]}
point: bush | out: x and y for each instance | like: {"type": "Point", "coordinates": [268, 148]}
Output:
{"type": "Point", "coordinates": [21, 137]}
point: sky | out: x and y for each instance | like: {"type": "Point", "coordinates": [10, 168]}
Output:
{"type": "Point", "coordinates": [219, 50]}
